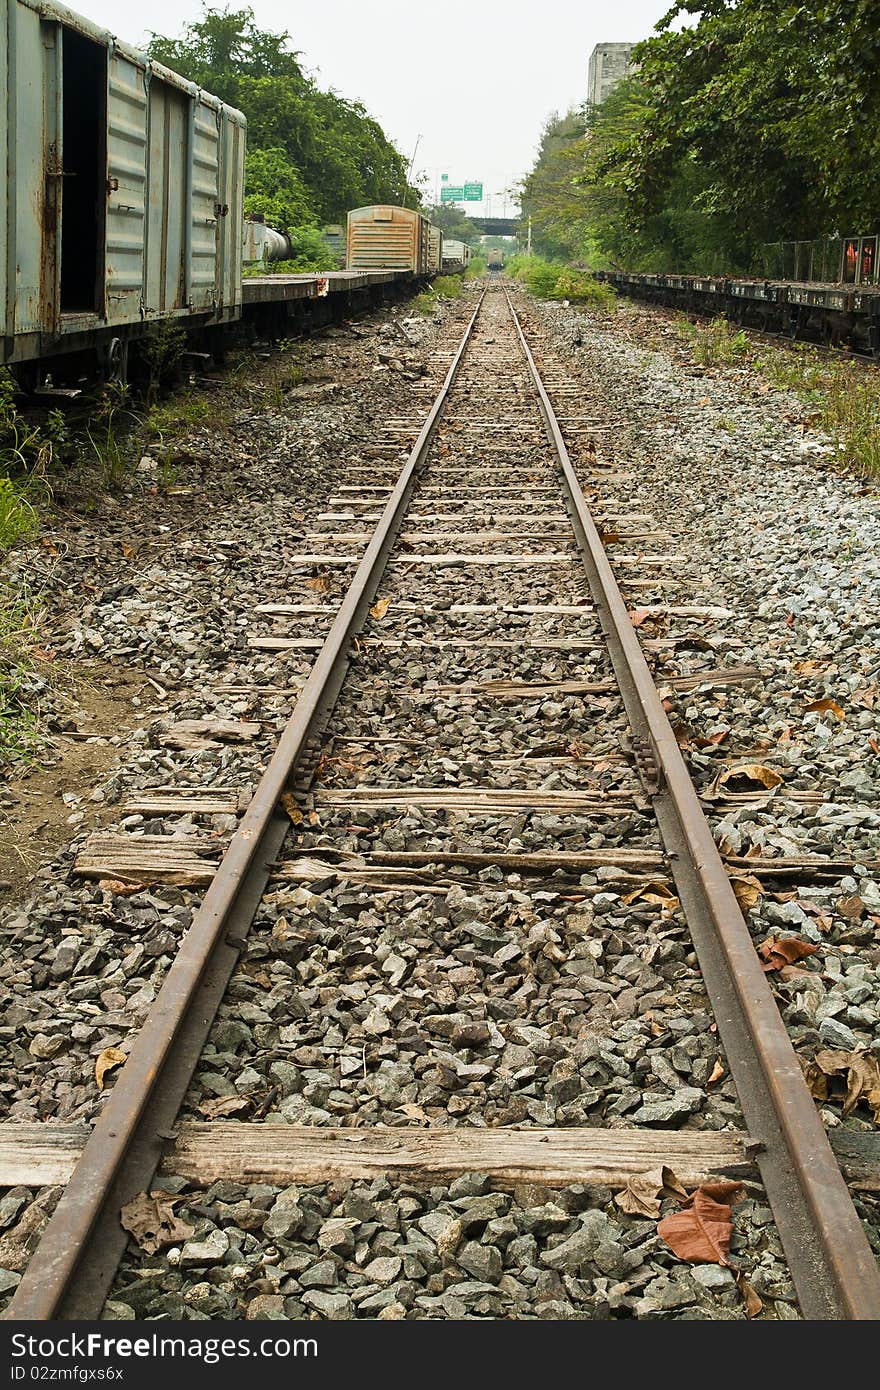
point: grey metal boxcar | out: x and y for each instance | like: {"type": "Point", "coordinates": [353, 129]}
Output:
{"type": "Point", "coordinates": [456, 254]}
{"type": "Point", "coordinates": [122, 190]}
{"type": "Point", "coordinates": [389, 238]}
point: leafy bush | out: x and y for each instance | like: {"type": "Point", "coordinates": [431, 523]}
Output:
{"type": "Point", "coordinates": [580, 287]}
{"type": "Point", "coordinates": [447, 286]}
{"type": "Point", "coordinates": [477, 266]}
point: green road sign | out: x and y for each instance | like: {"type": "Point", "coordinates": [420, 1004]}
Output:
{"type": "Point", "coordinates": [444, 178]}
{"type": "Point", "coordinates": [452, 195]}
{"type": "Point", "coordinates": [473, 193]}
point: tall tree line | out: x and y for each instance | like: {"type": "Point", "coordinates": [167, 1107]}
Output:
{"type": "Point", "coordinates": [756, 122]}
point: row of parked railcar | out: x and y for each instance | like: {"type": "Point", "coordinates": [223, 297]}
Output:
{"type": "Point", "coordinates": [401, 238]}
{"type": "Point", "coordinates": [121, 208]}
{"type": "Point", "coordinates": [839, 314]}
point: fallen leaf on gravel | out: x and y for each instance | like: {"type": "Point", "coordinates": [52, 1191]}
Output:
{"type": "Point", "coordinates": [747, 890]}
{"type": "Point", "coordinates": [863, 1083]}
{"type": "Point", "coordinates": [658, 894]}
{"type": "Point", "coordinates": [712, 740]}
{"type": "Point", "coordinates": [321, 584]}
{"type": "Point", "coordinates": [150, 1218]}
{"type": "Point", "coordinates": [816, 1079]}
{"type": "Point", "coordinates": [380, 608]}
{"type": "Point", "coordinates": [749, 772]}
{"type": "Point", "coordinates": [641, 1196]}
{"type": "Point", "coordinates": [825, 707]}
{"type": "Point", "coordinates": [866, 696]}
{"type": "Point", "coordinates": [116, 885]}
{"type": "Point", "coordinates": [809, 668]}
{"type": "Point", "coordinates": [414, 1112]}
{"type": "Point", "coordinates": [717, 1073]}
{"type": "Point", "coordinates": [853, 908]}
{"type": "Point", "coordinates": [226, 1105]}
{"type": "Point", "coordinates": [639, 615]}
{"type": "Point", "coordinates": [700, 1233]}
{"type": "Point", "coordinates": [862, 1071]}
{"type": "Point", "coordinates": [288, 801]}
{"type": "Point", "coordinates": [108, 1059]}
{"type": "Point", "coordinates": [753, 1303]}
{"type": "Point", "coordinates": [780, 951]}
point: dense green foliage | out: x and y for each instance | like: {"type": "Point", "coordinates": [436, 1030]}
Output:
{"type": "Point", "coordinates": [312, 155]}
{"type": "Point", "coordinates": [555, 280]}
{"type": "Point", "coordinates": [757, 123]}
{"type": "Point", "coordinates": [453, 223]}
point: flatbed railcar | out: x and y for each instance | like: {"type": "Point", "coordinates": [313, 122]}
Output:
{"type": "Point", "coordinates": [836, 313]}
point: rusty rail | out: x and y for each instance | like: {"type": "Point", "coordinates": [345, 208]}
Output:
{"type": "Point", "coordinates": [76, 1259]}
{"type": "Point", "coordinates": [831, 1263]}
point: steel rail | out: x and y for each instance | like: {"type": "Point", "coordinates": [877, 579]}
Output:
{"type": "Point", "coordinates": [831, 1262]}
{"type": "Point", "coordinates": [75, 1262]}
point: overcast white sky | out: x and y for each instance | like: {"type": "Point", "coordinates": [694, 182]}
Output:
{"type": "Point", "coordinates": [474, 80]}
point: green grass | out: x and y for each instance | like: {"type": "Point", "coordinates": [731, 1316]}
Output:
{"type": "Point", "coordinates": [477, 266]}
{"type": "Point", "coordinates": [714, 343]}
{"type": "Point", "coordinates": [555, 280]}
{"type": "Point", "coordinates": [19, 724]}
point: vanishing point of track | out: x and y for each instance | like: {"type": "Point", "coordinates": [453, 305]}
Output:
{"type": "Point", "coordinates": [831, 1263]}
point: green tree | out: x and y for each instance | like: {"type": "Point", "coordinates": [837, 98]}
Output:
{"type": "Point", "coordinates": [336, 155]}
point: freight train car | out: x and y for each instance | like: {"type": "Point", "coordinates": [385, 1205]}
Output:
{"type": "Point", "coordinates": [389, 238]}
{"type": "Point", "coordinates": [121, 189]}
{"type": "Point", "coordinates": [456, 255]}
{"type": "Point", "coordinates": [435, 249]}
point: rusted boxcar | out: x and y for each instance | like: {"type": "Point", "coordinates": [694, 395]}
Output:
{"type": "Point", "coordinates": [435, 249]}
{"type": "Point", "coordinates": [385, 237]}
{"type": "Point", "coordinates": [123, 189]}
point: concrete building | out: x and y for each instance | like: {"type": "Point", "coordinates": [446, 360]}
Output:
{"type": "Point", "coordinates": [609, 62]}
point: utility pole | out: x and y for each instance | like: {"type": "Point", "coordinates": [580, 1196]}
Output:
{"type": "Point", "coordinates": [409, 170]}
{"type": "Point", "coordinates": [529, 240]}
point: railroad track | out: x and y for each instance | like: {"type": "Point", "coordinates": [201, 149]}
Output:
{"type": "Point", "coordinates": [483, 546]}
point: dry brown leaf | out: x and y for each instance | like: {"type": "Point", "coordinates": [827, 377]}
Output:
{"type": "Point", "coordinates": [712, 740]}
{"type": "Point", "coordinates": [414, 1112]}
{"type": "Point", "coordinates": [853, 908]}
{"type": "Point", "coordinates": [817, 1081]}
{"type": "Point", "coordinates": [641, 1196]}
{"type": "Point", "coordinates": [825, 707]}
{"type": "Point", "coordinates": [638, 616]}
{"type": "Point", "coordinates": [863, 1083]}
{"type": "Point", "coordinates": [717, 1073]}
{"type": "Point", "coordinates": [658, 894]}
{"type": "Point", "coordinates": [226, 1105]}
{"type": "Point", "coordinates": [861, 1071]}
{"type": "Point", "coordinates": [321, 584]}
{"type": "Point", "coordinates": [780, 951]}
{"type": "Point", "coordinates": [380, 608]}
{"type": "Point", "coordinates": [288, 801]}
{"type": "Point", "coordinates": [700, 1233]}
{"type": "Point", "coordinates": [108, 1059]}
{"type": "Point", "coordinates": [751, 773]}
{"type": "Point", "coordinates": [150, 1218]}
{"type": "Point", "coordinates": [747, 890]}
{"type": "Point", "coordinates": [809, 668]}
{"type": "Point", "coordinates": [752, 1301]}
{"type": "Point", "coordinates": [120, 888]}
